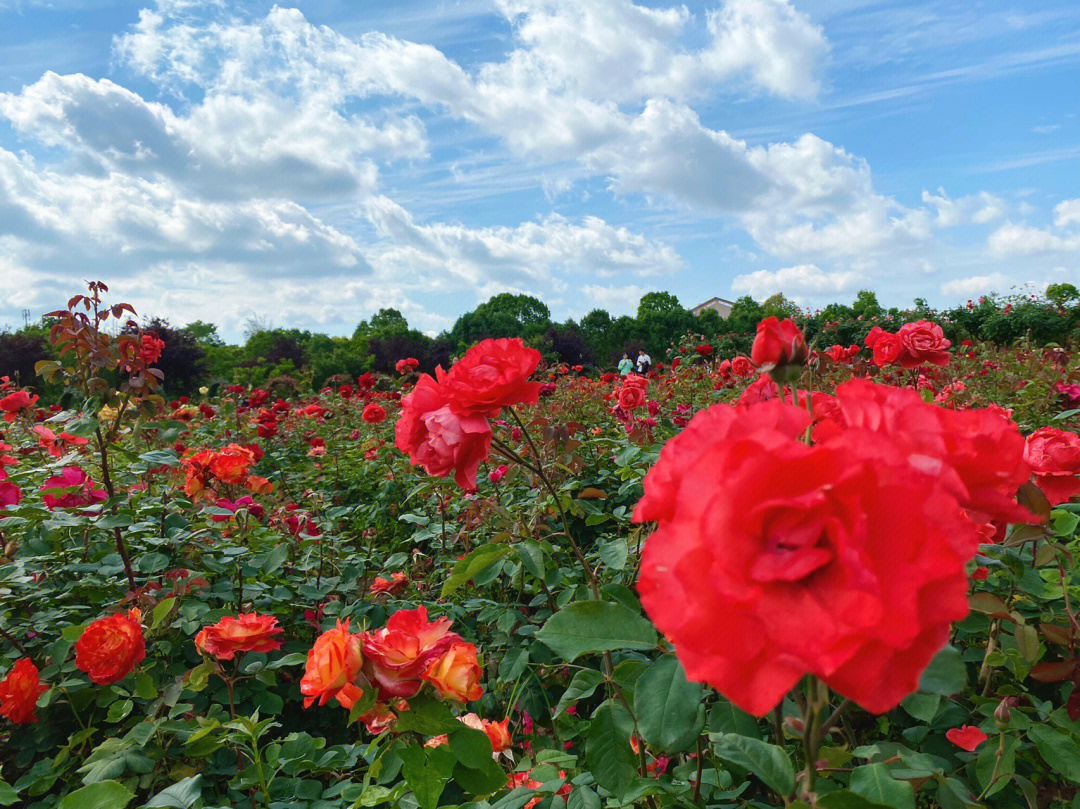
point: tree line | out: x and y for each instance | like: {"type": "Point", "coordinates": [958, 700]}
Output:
{"type": "Point", "coordinates": [295, 360]}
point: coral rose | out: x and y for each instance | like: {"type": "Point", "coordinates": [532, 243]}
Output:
{"type": "Point", "coordinates": [456, 675]}
{"type": "Point", "coordinates": [19, 692]}
{"type": "Point", "coordinates": [923, 342]}
{"type": "Point", "coordinates": [248, 632]}
{"type": "Point", "coordinates": [111, 647]}
{"type": "Point", "coordinates": [231, 465]}
{"type": "Point", "coordinates": [741, 366]}
{"type": "Point", "coordinates": [778, 343]}
{"type": "Point", "coordinates": [492, 375]}
{"type": "Point", "coordinates": [399, 653]}
{"type": "Point", "coordinates": [438, 439]}
{"type": "Point", "coordinates": [1054, 457]}
{"type": "Point", "coordinates": [374, 414]}
{"type": "Point", "coordinates": [333, 665]}
{"type": "Point", "coordinates": [15, 403]}
{"type": "Point", "coordinates": [631, 397]}
{"type": "Point", "coordinates": [498, 733]}
{"type": "Point", "coordinates": [873, 336]}
{"type": "Point", "coordinates": [803, 552]}
{"type": "Point", "coordinates": [395, 584]}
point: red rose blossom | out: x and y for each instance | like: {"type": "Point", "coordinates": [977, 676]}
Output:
{"type": "Point", "coordinates": [804, 553]}
{"type": "Point", "coordinates": [1054, 457]}
{"type": "Point", "coordinates": [374, 414]}
{"type": "Point", "coordinates": [966, 737]}
{"type": "Point", "coordinates": [888, 349]}
{"type": "Point", "coordinates": [19, 692]}
{"type": "Point", "coordinates": [778, 343]}
{"type": "Point", "coordinates": [248, 632]}
{"type": "Point", "coordinates": [492, 375]}
{"type": "Point", "coordinates": [923, 342]}
{"type": "Point", "coordinates": [111, 647]}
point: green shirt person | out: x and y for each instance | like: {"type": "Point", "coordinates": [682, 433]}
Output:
{"type": "Point", "coordinates": [625, 365]}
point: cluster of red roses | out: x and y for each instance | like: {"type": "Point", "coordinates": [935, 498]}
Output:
{"type": "Point", "coordinates": [396, 661]}
{"type": "Point", "coordinates": [844, 558]}
{"type": "Point", "coordinates": [914, 344]}
{"type": "Point", "coordinates": [231, 466]}
{"type": "Point", "coordinates": [444, 424]}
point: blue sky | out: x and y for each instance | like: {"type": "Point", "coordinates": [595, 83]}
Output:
{"type": "Point", "coordinates": [311, 162]}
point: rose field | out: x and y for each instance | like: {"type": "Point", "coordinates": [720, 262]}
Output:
{"type": "Point", "coordinates": [824, 572]}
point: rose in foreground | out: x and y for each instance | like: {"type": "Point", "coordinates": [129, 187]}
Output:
{"type": "Point", "coordinates": [333, 665]}
{"type": "Point", "coordinates": [492, 375]}
{"type": "Point", "coordinates": [248, 632]}
{"type": "Point", "coordinates": [806, 554]}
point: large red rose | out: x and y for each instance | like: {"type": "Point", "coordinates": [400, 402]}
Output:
{"type": "Point", "coordinates": [492, 375]}
{"type": "Point", "coordinates": [374, 414]}
{"type": "Point", "coordinates": [72, 488]}
{"type": "Point", "coordinates": [778, 343]}
{"type": "Point", "coordinates": [923, 342]}
{"type": "Point", "coordinates": [19, 692]}
{"type": "Point", "coordinates": [437, 438]}
{"type": "Point", "coordinates": [398, 654]}
{"type": "Point", "coordinates": [772, 559]}
{"type": "Point", "coordinates": [111, 647]}
{"type": "Point", "coordinates": [247, 632]}
{"type": "Point", "coordinates": [1054, 457]}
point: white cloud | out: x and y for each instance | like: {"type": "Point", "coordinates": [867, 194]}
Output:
{"type": "Point", "coordinates": [1021, 240]}
{"type": "Point", "coordinates": [979, 209]}
{"type": "Point", "coordinates": [799, 283]}
{"type": "Point", "coordinates": [616, 300]}
{"type": "Point", "coordinates": [976, 285]}
{"type": "Point", "coordinates": [1067, 212]}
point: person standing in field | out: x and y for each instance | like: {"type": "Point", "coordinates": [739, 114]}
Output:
{"type": "Point", "coordinates": [644, 361]}
{"type": "Point", "coordinates": [625, 365]}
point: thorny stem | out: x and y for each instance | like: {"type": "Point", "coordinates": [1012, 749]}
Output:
{"type": "Point", "coordinates": [106, 479]}
{"type": "Point", "coordinates": [10, 639]}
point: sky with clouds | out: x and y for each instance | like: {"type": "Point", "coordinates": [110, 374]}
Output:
{"type": "Point", "coordinates": [311, 162]}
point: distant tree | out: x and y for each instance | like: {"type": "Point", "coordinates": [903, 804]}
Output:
{"type": "Point", "coordinates": [384, 323]}
{"type": "Point", "coordinates": [274, 346]}
{"type": "Point", "coordinates": [661, 319]}
{"type": "Point", "coordinates": [505, 315]}
{"type": "Point", "coordinates": [569, 345]}
{"type": "Point", "coordinates": [866, 305]}
{"type": "Point", "coordinates": [19, 352]}
{"type": "Point", "coordinates": [746, 313]}
{"type": "Point", "coordinates": [710, 323]}
{"type": "Point", "coordinates": [779, 306]}
{"type": "Point", "coordinates": [1062, 294]}
{"type": "Point", "coordinates": [204, 333]}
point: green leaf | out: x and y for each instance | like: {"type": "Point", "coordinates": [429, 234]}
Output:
{"type": "Point", "coordinates": [118, 710]}
{"type": "Point", "coordinates": [428, 717]}
{"type": "Point", "coordinates": [767, 761]}
{"type": "Point", "coordinates": [946, 675]}
{"type": "Point", "coordinates": [8, 796]}
{"type": "Point", "coordinates": [532, 556]}
{"type": "Point", "coordinates": [163, 608]}
{"type": "Point", "coordinates": [483, 780]}
{"type": "Point", "coordinates": [181, 795]}
{"type": "Point", "coordinates": [582, 686]}
{"type": "Point", "coordinates": [294, 659]}
{"type": "Point", "coordinates": [470, 746]}
{"type": "Point", "coordinates": [1059, 750]}
{"type": "Point", "coordinates": [472, 565]}
{"type": "Point", "coordinates": [607, 748]}
{"type": "Point", "coordinates": [102, 795]}
{"type": "Point", "coordinates": [614, 553]}
{"type": "Point", "coordinates": [670, 710]}
{"type": "Point", "coordinates": [922, 706]}
{"type": "Point", "coordinates": [583, 798]}
{"type": "Point", "coordinates": [426, 770]}
{"type": "Point", "coordinates": [595, 626]}
{"type": "Point", "coordinates": [874, 783]}
{"type": "Point", "coordinates": [844, 799]}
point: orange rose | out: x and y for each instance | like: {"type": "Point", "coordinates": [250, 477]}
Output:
{"type": "Point", "coordinates": [456, 675]}
{"type": "Point", "coordinates": [398, 654]}
{"type": "Point", "coordinates": [246, 633]}
{"type": "Point", "coordinates": [258, 485]}
{"type": "Point", "coordinates": [19, 692]}
{"type": "Point", "coordinates": [498, 733]}
{"type": "Point", "coordinates": [111, 647]}
{"type": "Point", "coordinates": [231, 464]}
{"type": "Point", "coordinates": [332, 666]}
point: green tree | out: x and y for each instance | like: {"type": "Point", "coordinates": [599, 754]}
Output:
{"type": "Point", "coordinates": [866, 305]}
{"type": "Point", "coordinates": [1062, 294]}
{"type": "Point", "coordinates": [505, 315]}
{"type": "Point", "coordinates": [662, 320]}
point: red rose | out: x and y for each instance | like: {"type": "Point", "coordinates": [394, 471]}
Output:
{"type": "Point", "coordinates": [1054, 457]}
{"type": "Point", "coordinates": [398, 654]}
{"type": "Point", "coordinates": [438, 439]}
{"type": "Point", "coordinates": [10, 494]}
{"type": "Point", "coordinates": [966, 737]}
{"type": "Point", "coordinates": [741, 366]}
{"type": "Point", "coordinates": [923, 342]}
{"type": "Point", "coordinates": [977, 454]}
{"type": "Point", "coordinates": [72, 488]}
{"type": "Point", "coordinates": [805, 554]}
{"type": "Point", "coordinates": [248, 632]}
{"type": "Point", "coordinates": [374, 414]}
{"type": "Point", "coordinates": [887, 349]}
{"type": "Point", "coordinates": [19, 692]}
{"type": "Point", "coordinates": [778, 343]}
{"type": "Point", "coordinates": [111, 647]}
{"type": "Point", "coordinates": [15, 402]}
{"type": "Point", "coordinates": [492, 375]}
{"type": "Point", "coordinates": [704, 349]}
{"type": "Point", "coordinates": [631, 397]}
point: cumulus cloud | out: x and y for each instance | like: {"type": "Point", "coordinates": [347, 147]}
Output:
{"type": "Point", "coordinates": [976, 285]}
{"type": "Point", "coordinates": [979, 209]}
{"type": "Point", "coordinates": [800, 283]}
{"type": "Point", "coordinates": [1067, 212]}
{"type": "Point", "coordinates": [1021, 240]}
